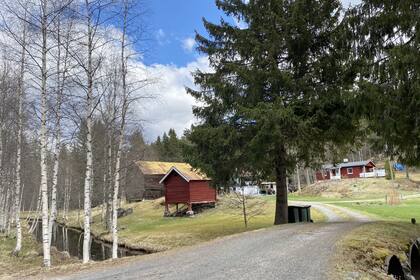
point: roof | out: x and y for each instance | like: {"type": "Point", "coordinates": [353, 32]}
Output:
{"type": "Point", "coordinates": [347, 164]}
{"type": "Point", "coordinates": [186, 172]}
{"type": "Point", "coordinates": [356, 163]}
{"type": "Point", "coordinates": [160, 167]}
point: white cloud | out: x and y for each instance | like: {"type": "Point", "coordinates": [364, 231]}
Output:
{"type": "Point", "coordinates": [161, 37]}
{"type": "Point", "coordinates": [188, 44]}
{"type": "Point", "coordinates": [173, 106]}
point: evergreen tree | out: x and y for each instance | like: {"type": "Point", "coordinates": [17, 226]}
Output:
{"type": "Point", "coordinates": [277, 94]}
{"type": "Point", "coordinates": [170, 147]}
{"type": "Point", "coordinates": [388, 40]}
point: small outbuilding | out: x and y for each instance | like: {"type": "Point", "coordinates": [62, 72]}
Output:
{"type": "Point", "coordinates": [142, 179]}
{"type": "Point", "coordinates": [183, 185]}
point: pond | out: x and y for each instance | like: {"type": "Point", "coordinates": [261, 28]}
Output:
{"type": "Point", "coordinates": [71, 240]}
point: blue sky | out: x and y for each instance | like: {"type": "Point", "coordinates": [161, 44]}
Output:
{"type": "Point", "coordinates": [171, 58]}
{"type": "Point", "coordinates": [173, 23]}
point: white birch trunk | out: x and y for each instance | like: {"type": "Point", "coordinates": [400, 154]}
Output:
{"type": "Point", "coordinates": [43, 140]}
{"type": "Point", "coordinates": [87, 204]}
{"type": "Point", "coordinates": [59, 92]}
{"type": "Point", "coordinates": [2, 187]}
{"type": "Point", "coordinates": [115, 199]}
{"type": "Point", "coordinates": [124, 109]}
{"type": "Point", "coordinates": [21, 90]}
{"type": "Point", "coordinates": [89, 108]}
{"type": "Point", "coordinates": [37, 211]}
{"type": "Point", "coordinates": [108, 222]}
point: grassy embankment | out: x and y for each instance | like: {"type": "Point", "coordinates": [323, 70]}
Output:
{"type": "Point", "coordinates": [356, 189]}
{"type": "Point", "coordinates": [363, 251]}
{"type": "Point", "coordinates": [147, 228]}
{"type": "Point", "coordinates": [29, 261]}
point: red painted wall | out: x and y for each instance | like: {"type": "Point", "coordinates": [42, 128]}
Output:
{"type": "Point", "coordinates": [356, 172]}
{"type": "Point", "coordinates": [201, 191]}
{"type": "Point", "coordinates": [176, 189]}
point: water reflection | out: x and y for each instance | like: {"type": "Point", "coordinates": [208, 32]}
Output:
{"type": "Point", "coordinates": [71, 240]}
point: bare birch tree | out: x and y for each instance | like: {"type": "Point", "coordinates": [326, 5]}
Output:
{"type": "Point", "coordinates": [62, 71]}
{"type": "Point", "coordinates": [88, 58]}
{"type": "Point", "coordinates": [21, 92]}
{"type": "Point", "coordinates": [124, 108]}
{"type": "Point", "coordinates": [128, 95]}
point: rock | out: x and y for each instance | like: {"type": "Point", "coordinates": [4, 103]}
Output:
{"type": "Point", "coordinates": [121, 212]}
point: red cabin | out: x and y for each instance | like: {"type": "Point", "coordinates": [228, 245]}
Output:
{"type": "Point", "coordinates": [356, 169]}
{"type": "Point", "coordinates": [185, 186]}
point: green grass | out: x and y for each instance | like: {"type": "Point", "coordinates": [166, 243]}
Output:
{"type": "Point", "coordinates": [147, 228]}
{"type": "Point", "coordinates": [402, 212]}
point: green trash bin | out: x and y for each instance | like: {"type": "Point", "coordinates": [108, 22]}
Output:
{"type": "Point", "coordinates": [299, 214]}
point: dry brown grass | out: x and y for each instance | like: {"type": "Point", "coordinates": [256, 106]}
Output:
{"type": "Point", "coordinates": [29, 261]}
{"type": "Point", "coordinates": [364, 250]}
{"type": "Point", "coordinates": [363, 188]}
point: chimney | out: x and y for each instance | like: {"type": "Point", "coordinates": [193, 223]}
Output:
{"type": "Point", "coordinates": [346, 160]}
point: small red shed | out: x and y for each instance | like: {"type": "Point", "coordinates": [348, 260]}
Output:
{"type": "Point", "coordinates": [186, 186]}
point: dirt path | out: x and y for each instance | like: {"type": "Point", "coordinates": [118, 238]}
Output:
{"type": "Point", "coordinates": [299, 251]}
{"type": "Point", "coordinates": [334, 213]}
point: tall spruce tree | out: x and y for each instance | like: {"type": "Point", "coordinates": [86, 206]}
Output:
{"type": "Point", "coordinates": [277, 92]}
{"type": "Point", "coordinates": [388, 45]}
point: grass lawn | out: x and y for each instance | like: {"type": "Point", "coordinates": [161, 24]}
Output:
{"type": "Point", "coordinates": [147, 228]}
{"type": "Point", "coordinates": [402, 212]}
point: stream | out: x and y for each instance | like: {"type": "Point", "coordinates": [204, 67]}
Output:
{"type": "Point", "coordinates": [71, 240]}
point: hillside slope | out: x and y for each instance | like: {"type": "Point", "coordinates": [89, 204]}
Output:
{"type": "Point", "coordinates": [363, 188]}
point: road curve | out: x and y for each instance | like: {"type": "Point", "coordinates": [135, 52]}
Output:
{"type": "Point", "coordinates": [294, 251]}
{"type": "Point", "coordinates": [334, 213]}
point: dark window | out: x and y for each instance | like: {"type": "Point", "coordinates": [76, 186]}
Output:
{"type": "Point", "coordinates": [350, 170]}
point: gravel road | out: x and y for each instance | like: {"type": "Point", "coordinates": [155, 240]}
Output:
{"type": "Point", "coordinates": [299, 251]}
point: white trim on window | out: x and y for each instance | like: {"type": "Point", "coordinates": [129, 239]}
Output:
{"type": "Point", "coordinates": [350, 170]}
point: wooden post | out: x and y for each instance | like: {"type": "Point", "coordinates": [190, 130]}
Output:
{"type": "Point", "coordinates": [166, 214]}
{"type": "Point", "coordinates": [190, 212]}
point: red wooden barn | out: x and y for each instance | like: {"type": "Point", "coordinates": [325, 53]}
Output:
{"type": "Point", "coordinates": [186, 186]}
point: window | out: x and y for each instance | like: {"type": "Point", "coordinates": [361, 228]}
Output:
{"type": "Point", "coordinates": [350, 170]}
